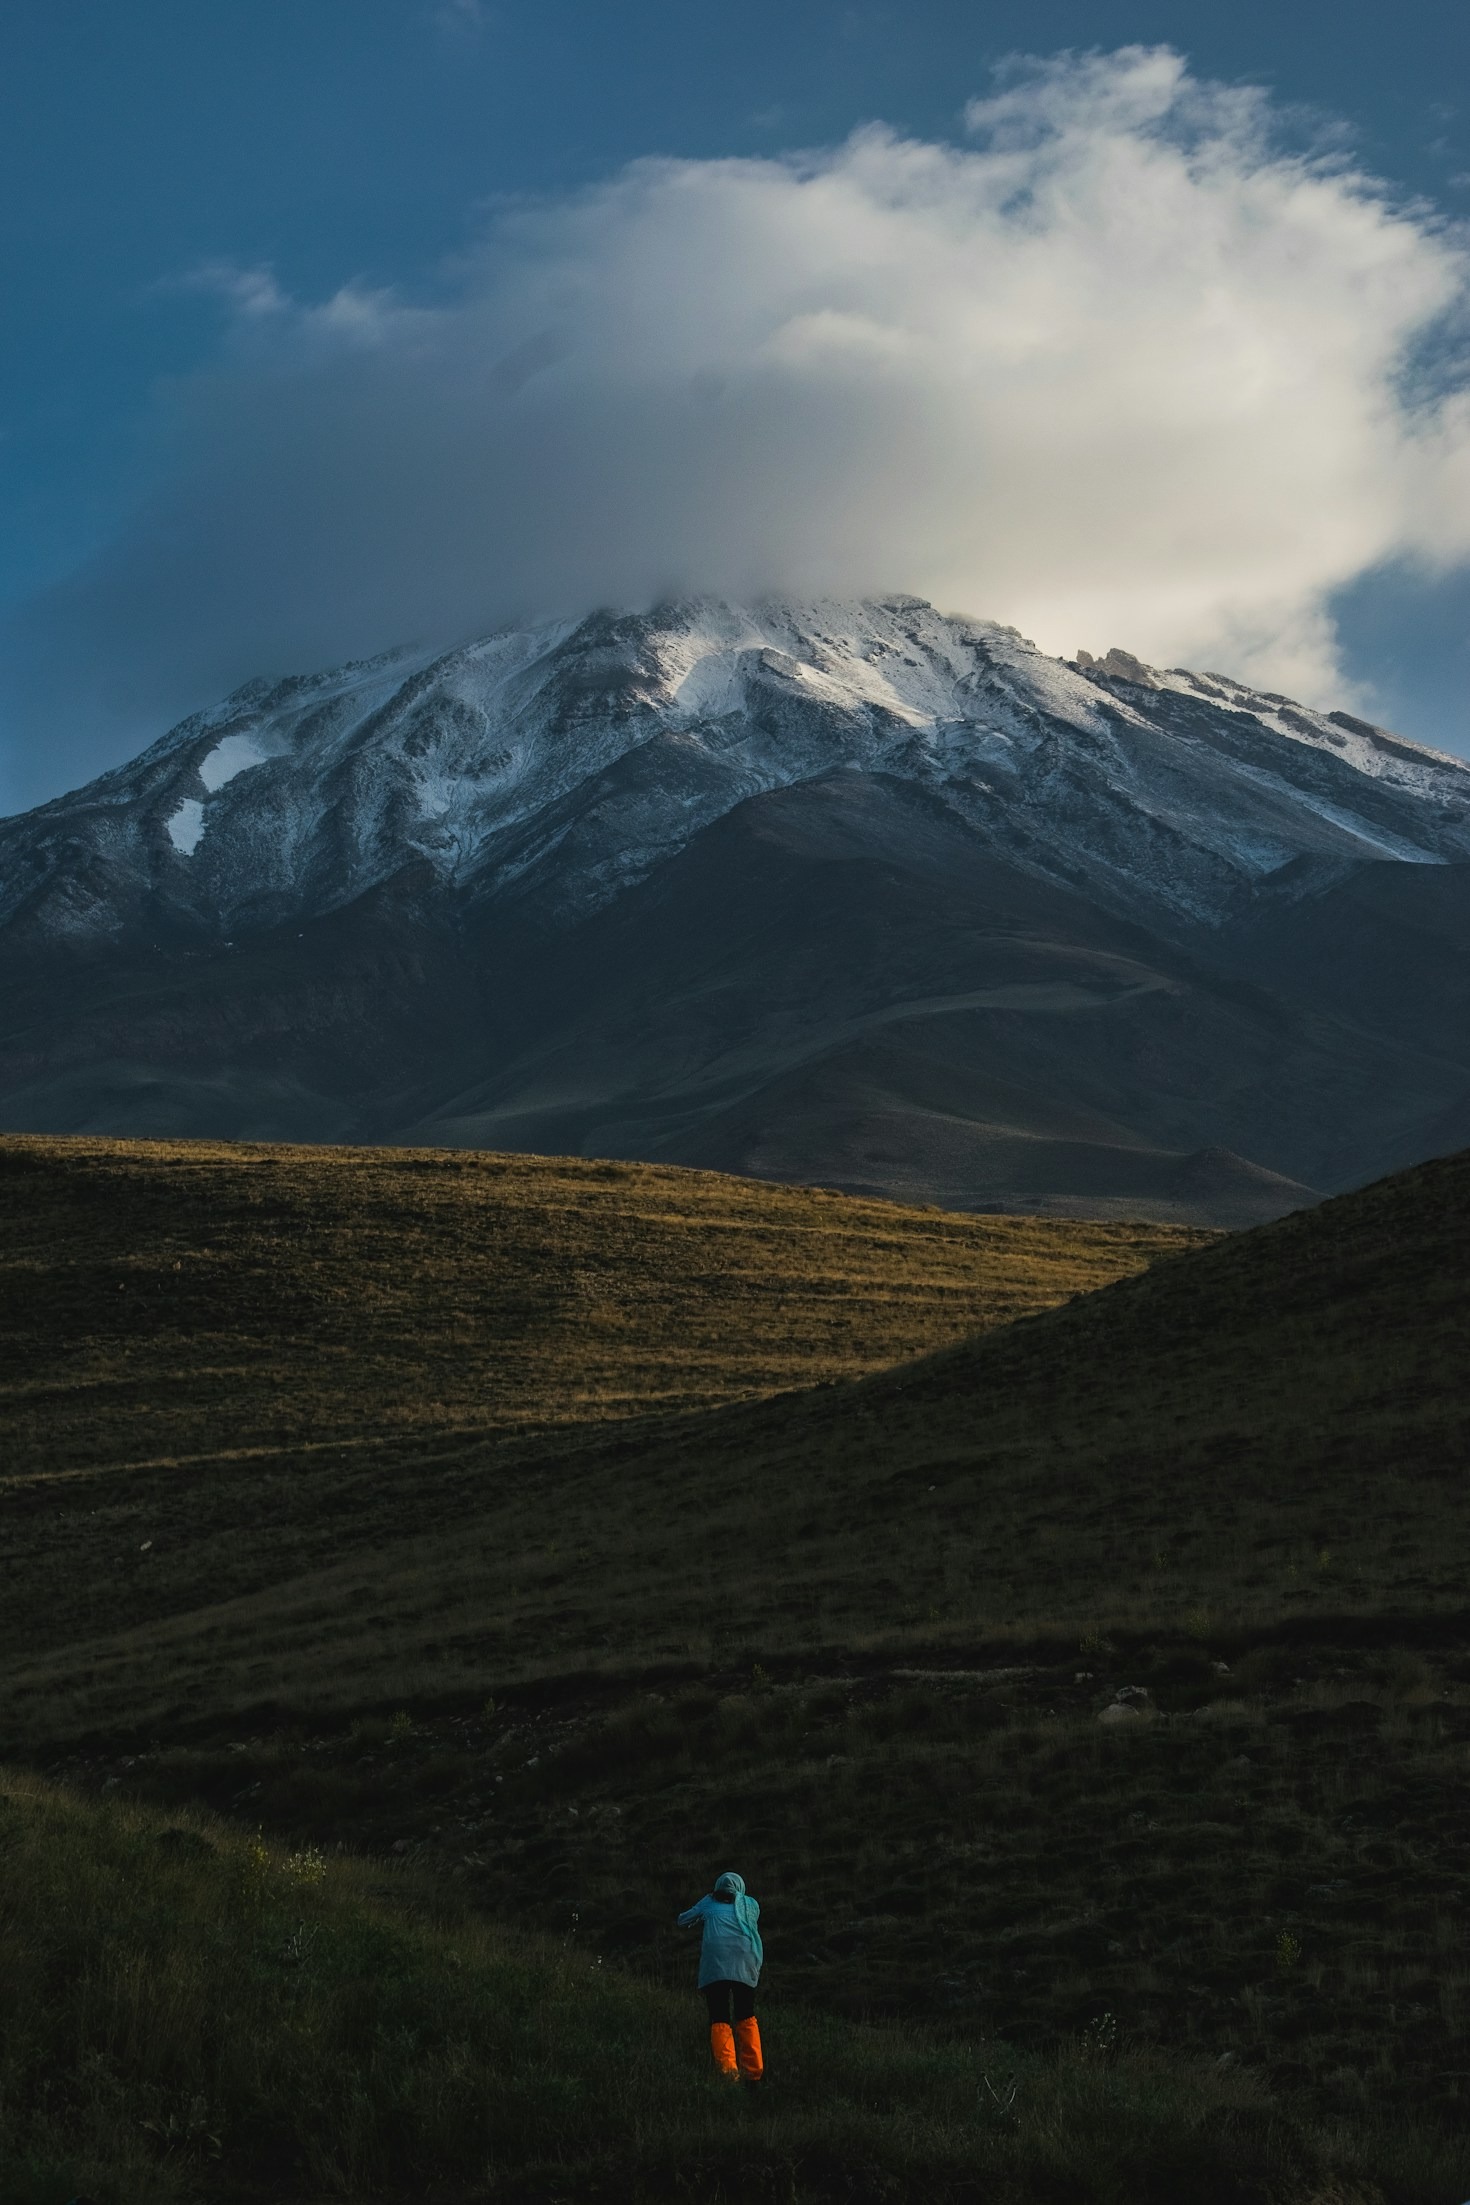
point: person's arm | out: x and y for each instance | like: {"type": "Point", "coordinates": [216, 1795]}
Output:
{"type": "Point", "coordinates": [693, 1914]}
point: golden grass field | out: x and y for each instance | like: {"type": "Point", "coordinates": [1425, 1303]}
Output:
{"type": "Point", "coordinates": [227, 1366]}
{"type": "Point", "coordinates": [191, 1301]}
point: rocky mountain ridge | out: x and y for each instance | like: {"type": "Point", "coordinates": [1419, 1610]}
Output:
{"type": "Point", "coordinates": [626, 736]}
{"type": "Point", "coordinates": [860, 893]}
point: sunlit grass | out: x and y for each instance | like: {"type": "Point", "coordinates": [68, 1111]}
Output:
{"type": "Point", "coordinates": [191, 1302]}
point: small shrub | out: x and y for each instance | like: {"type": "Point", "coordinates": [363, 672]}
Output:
{"type": "Point", "coordinates": [306, 1868]}
{"type": "Point", "coordinates": [1288, 1952]}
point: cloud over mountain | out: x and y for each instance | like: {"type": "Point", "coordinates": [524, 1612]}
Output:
{"type": "Point", "coordinates": [1119, 368]}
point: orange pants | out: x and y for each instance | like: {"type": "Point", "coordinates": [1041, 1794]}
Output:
{"type": "Point", "coordinates": [736, 2050]}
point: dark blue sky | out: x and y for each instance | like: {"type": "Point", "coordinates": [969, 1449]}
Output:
{"type": "Point", "coordinates": [342, 139]}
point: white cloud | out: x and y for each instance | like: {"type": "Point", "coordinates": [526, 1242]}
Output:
{"type": "Point", "coordinates": [1118, 370]}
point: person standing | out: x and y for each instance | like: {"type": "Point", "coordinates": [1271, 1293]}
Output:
{"type": "Point", "coordinates": [730, 1959]}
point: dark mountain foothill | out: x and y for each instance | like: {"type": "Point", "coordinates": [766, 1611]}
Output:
{"type": "Point", "coordinates": [857, 895]}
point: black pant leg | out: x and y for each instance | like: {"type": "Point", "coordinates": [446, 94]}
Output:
{"type": "Point", "coordinates": [729, 2001]}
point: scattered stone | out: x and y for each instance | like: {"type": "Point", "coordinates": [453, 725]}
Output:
{"type": "Point", "coordinates": [1131, 1703]}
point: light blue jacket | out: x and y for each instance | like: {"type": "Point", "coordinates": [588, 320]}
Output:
{"type": "Point", "coordinates": [730, 1950]}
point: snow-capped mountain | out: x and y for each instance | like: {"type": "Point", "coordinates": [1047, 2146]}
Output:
{"type": "Point", "coordinates": [570, 761]}
{"type": "Point", "coordinates": [498, 894]}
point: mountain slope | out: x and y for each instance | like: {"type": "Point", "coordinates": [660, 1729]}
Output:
{"type": "Point", "coordinates": [836, 984]}
{"type": "Point", "coordinates": [1192, 1440]}
{"type": "Point", "coordinates": [856, 893]}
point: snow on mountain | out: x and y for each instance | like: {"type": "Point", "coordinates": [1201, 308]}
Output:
{"type": "Point", "coordinates": [562, 762]}
{"type": "Point", "coordinates": [855, 893]}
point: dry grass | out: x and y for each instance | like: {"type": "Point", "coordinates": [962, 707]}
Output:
{"type": "Point", "coordinates": [190, 1302]}
{"type": "Point", "coordinates": [1268, 1430]}
{"type": "Point", "coordinates": [224, 1367]}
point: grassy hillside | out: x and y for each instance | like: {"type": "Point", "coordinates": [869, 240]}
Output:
{"type": "Point", "coordinates": [189, 1303]}
{"type": "Point", "coordinates": [1268, 1430]}
{"type": "Point", "coordinates": [867, 1642]}
{"type": "Point", "coordinates": [222, 1366]}
{"type": "Point", "coordinates": [189, 2012]}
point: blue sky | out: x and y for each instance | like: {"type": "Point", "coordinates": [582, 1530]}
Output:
{"type": "Point", "coordinates": [153, 153]}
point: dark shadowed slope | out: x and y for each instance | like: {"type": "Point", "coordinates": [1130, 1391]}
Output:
{"type": "Point", "coordinates": [840, 982]}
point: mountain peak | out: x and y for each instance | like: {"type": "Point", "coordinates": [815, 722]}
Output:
{"type": "Point", "coordinates": [615, 738]}
{"type": "Point", "coordinates": [860, 892]}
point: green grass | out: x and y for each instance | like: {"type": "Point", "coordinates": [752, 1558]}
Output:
{"type": "Point", "coordinates": [973, 1851]}
{"type": "Point", "coordinates": [189, 2011]}
{"type": "Point", "coordinates": [221, 1366]}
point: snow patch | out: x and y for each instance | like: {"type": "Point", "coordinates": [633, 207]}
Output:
{"type": "Point", "coordinates": [186, 826]}
{"type": "Point", "coordinates": [236, 754]}
{"type": "Point", "coordinates": [711, 688]}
